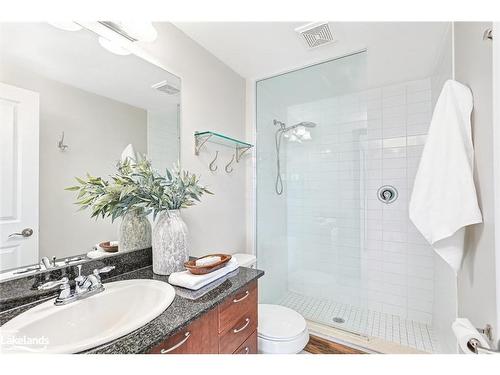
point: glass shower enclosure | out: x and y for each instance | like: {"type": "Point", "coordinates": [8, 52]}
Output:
{"type": "Point", "coordinates": [320, 206]}
{"type": "Point", "coordinates": [310, 186]}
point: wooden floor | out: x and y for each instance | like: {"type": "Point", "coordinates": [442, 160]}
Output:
{"type": "Point", "coordinates": [318, 345]}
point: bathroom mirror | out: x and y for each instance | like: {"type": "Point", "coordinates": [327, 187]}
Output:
{"type": "Point", "coordinates": [70, 103]}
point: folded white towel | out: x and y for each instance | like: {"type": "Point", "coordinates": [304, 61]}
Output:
{"type": "Point", "coordinates": [207, 261]}
{"type": "Point", "coordinates": [195, 294]}
{"type": "Point", "coordinates": [98, 254]}
{"type": "Point", "coordinates": [444, 199]}
{"type": "Point", "coordinates": [187, 280]}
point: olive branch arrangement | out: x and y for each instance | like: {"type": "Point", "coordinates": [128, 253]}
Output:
{"type": "Point", "coordinates": [137, 186]}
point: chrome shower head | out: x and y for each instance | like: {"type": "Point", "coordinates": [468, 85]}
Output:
{"type": "Point", "coordinates": [305, 124]}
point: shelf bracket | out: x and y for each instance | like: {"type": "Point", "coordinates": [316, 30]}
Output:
{"type": "Point", "coordinates": [199, 142]}
{"type": "Point", "coordinates": [240, 151]}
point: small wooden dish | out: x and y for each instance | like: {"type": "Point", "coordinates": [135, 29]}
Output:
{"type": "Point", "coordinates": [202, 270]}
{"type": "Point", "coordinates": [108, 248]}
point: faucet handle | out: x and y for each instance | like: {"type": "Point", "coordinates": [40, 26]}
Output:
{"type": "Point", "coordinates": [64, 283]}
{"type": "Point", "coordinates": [106, 269]}
{"type": "Point", "coordinates": [79, 278]}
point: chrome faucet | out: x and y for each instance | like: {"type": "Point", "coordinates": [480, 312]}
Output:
{"type": "Point", "coordinates": [85, 286]}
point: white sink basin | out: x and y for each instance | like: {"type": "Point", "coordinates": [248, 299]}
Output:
{"type": "Point", "coordinates": [121, 308]}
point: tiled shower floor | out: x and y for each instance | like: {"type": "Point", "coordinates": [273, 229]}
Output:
{"type": "Point", "coordinates": [363, 321]}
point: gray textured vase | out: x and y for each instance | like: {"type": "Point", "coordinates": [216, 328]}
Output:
{"type": "Point", "coordinates": [170, 243]}
{"type": "Point", "coordinates": [135, 232]}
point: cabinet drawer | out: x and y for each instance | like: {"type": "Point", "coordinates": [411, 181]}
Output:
{"type": "Point", "coordinates": [233, 337]}
{"type": "Point", "coordinates": [200, 337]}
{"type": "Point", "coordinates": [236, 306]}
{"type": "Point", "coordinates": [249, 346]}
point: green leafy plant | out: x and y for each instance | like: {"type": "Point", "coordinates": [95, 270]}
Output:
{"type": "Point", "coordinates": [137, 186]}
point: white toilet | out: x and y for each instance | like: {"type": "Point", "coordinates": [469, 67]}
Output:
{"type": "Point", "coordinates": [281, 330]}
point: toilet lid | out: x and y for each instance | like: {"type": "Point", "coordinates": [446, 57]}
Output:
{"type": "Point", "coordinates": [279, 323]}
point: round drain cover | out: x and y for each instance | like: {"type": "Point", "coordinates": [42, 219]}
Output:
{"type": "Point", "coordinates": [338, 320]}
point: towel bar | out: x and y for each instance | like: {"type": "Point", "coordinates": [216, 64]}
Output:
{"type": "Point", "coordinates": [475, 346]}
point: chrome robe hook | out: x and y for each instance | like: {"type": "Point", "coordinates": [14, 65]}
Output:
{"type": "Point", "coordinates": [212, 166]}
{"type": "Point", "coordinates": [228, 167]}
{"type": "Point", "coordinates": [61, 144]}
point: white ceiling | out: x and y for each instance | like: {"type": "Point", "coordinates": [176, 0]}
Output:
{"type": "Point", "coordinates": [397, 51]}
{"type": "Point", "coordinates": [76, 59]}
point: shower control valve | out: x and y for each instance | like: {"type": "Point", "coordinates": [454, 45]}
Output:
{"type": "Point", "coordinates": [387, 194]}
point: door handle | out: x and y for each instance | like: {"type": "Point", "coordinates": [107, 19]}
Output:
{"type": "Point", "coordinates": [26, 232]}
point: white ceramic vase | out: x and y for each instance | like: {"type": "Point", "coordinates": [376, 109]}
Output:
{"type": "Point", "coordinates": [134, 232]}
{"type": "Point", "coordinates": [170, 243]}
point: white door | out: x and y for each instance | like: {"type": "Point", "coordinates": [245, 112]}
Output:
{"type": "Point", "coordinates": [19, 117]}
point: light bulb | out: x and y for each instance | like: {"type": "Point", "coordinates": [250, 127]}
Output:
{"type": "Point", "coordinates": [113, 47]}
{"type": "Point", "coordinates": [66, 25]}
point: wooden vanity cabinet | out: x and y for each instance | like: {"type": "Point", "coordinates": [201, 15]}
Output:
{"type": "Point", "coordinates": [230, 328]}
{"type": "Point", "coordinates": [198, 337]}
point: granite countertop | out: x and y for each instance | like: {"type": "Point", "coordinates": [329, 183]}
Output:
{"type": "Point", "coordinates": [179, 314]}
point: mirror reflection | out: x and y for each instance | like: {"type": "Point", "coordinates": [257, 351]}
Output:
{"type": "Point", "coordinates": [71, 103]}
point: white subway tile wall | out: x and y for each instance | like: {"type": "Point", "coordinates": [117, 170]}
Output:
{"type": "Point", "coordinates": [343, 243]}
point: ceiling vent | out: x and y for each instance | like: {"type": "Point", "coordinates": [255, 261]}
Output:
{"type": "Point", "coordinates": [316, 34]}
{"type": "Point", "coordinates": [165, 87]}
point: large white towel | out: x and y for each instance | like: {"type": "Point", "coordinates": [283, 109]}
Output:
{"type": "Point", "coordinates": [444, 199]}
{"type": "Point", "coordinates": [187, 280]}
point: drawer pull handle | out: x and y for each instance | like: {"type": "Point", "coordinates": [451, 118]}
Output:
{"type": "Point", "coordinates": [247, 350]}
{"type": "Point", "coordinates": [237, 330]}
{"type": "Point", "coordinates": [236, 300]}
{"type": "Point", "coordinates": [186, 337]}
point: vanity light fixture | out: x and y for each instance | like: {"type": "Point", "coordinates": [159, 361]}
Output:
{"type": "Point", "coordinates": [113, 46]}
{"type": "Point", "coordinates": [133, 31]}
{"type": "Point", "coordinates": [115, 36]}
{"type": "Point", "coordinates": [66, 25]}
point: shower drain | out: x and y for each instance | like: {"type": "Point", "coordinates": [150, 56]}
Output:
{"type": "Point", "coordinates": [338, 320]}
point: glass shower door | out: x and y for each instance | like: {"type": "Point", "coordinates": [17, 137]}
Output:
{"type": "Point", "coordinates": [311, 193]}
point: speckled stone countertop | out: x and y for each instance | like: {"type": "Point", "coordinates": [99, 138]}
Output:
{"type": "Point", "coordinates": [179, 314]}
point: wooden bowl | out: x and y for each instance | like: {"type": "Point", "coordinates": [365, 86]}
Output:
{"type": "Point", "coordinates": [108, 248]}
{"type": "Point", "coordinates": [202, 270]}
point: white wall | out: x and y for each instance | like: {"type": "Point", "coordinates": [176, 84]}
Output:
{"type": "Point", "coordinates": [212, 98]}
{"type": "Point", "coordinates": [97, 129]}
{"type": "Point", "coordinates": [477, 280]}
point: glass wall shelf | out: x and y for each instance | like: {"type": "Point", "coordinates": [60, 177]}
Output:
{"type": "Point", "coordinates": [203, 137]}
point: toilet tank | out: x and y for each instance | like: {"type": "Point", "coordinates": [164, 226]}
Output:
{"type": "Point", "coordinates": [246, 260]}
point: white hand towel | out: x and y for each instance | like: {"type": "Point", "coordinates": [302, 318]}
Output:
{"type": "Point", "coordinates": [94, 254]}
{"type": "Point", "coordinates": [444, 199]}
{"type": "Point", "coordinates": [129, 153]}
{"type": "Point", "coordinates": [187, 280]}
